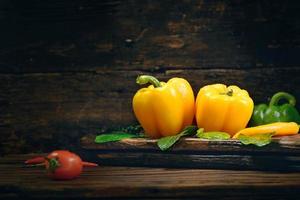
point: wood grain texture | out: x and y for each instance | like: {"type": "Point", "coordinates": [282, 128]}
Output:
{"type": "Point", "coordinates": [204, 160]}
{"type": "Point", "coordinates": [40, 36]}
{"type": "Point", "coordinates": [282, 154]}
{"type": "Point", "coordinates": [286, 145]}
{"type": "Point", "coordinates": [18, 181]}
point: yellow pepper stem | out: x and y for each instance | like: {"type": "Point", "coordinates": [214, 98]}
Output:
{"type": "Point", "coordinates": [229, 93]}
{"type": "Point", "coordinates": [144, 79]}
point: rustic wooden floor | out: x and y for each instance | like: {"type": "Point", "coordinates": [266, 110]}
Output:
{"type": "Point", "coordinates": [18, 181]}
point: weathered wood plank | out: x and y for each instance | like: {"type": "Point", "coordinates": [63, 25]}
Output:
{"type": "Point", "coordinates": [286, 145]}
{"type": "Point", "coordinates": [200, 161]}
{"type": "Point", "coordinates": [78, 87]}
{"type": "Point", "coordinates": [133, 182]}
{"type": "Point", "coordinates": [90, 36]}
{"type": "Point", "coordinates": [282, 154]}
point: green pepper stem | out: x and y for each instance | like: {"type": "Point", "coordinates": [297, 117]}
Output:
{"type": "Point", "coordinates": [144, 79]}
{"type": "Point", "coordinates": [282, 95]}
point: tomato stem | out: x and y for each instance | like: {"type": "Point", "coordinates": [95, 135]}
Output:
{"type": "Point", "coordinates": [53, 164]}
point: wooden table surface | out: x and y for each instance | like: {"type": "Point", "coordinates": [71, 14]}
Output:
{"type": "Point", "coordinates": [19, 181]}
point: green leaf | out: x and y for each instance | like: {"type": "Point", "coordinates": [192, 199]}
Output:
{"type": "Point", "coordinates": [258, 139]}
{"type": "Point", "coordinates": [199, 132]}
{"type": "Point", "coordinates": [114, 136]}
{"type": "Point", "coordinates": [166, 142]}
{"type": "Point", "coordinates": [136, 129]}
{"type": "Point", "coordinates": [189, 130]}
{"type": "Point", "coordinates": [214, 135]}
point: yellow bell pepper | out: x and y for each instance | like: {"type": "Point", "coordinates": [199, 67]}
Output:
{"type": "Point", "coordinates": [222, 108]}
{"type": "Point", "coordinates": [277, 128]}
{"type": "Point", "coordinates": [164, 109]}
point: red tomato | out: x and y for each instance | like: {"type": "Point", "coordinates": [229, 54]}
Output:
{"type": "Point", "coordinates": [63, 165]}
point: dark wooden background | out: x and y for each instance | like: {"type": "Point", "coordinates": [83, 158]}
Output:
{"type": "Point", "coordinates": [68, 67]}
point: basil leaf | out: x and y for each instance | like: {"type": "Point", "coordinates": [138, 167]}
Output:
{"type": "Point", "coordinates": [189, 130]}
{"type": "Point", "coordinates": [214, 135]}
{"type": "Point", "coordinates": [114, 136]}
{"type": "Point", "coordinates": [199, 132]}
{"type": "Point", "coordinates": [168, 141]}
{"type": "Point", "coordinates": [136, 129]}
{"type": "Point", "coordinates": [258, 139]}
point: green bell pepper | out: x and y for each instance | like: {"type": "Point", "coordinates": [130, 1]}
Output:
{"type": "Point", "coordinates": [265, 114]}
